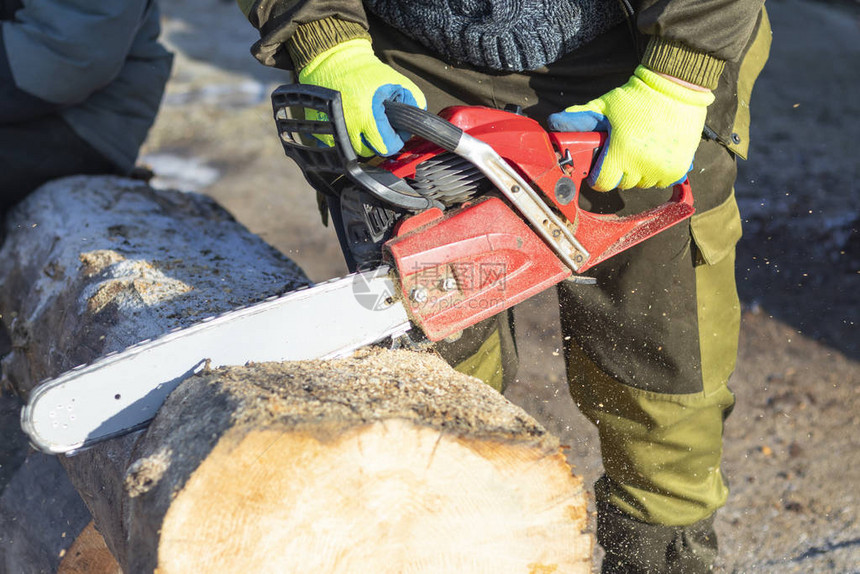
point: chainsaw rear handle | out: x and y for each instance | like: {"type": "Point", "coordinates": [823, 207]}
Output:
{"type": "Point", "coordinates": [322, 165]}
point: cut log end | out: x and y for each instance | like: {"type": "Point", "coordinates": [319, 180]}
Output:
{"type": "Point", "coordinates": [390, 496]}
{"type": "Point", "coordinates": [382, 462]}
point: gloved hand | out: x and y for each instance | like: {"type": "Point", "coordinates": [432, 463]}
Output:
{"type": "Point", "coordinates": [364, 83]}
{"type": "Point", "coordinates": [654, 125]}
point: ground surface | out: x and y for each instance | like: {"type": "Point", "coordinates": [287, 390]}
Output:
{"type": "Point", "coordinates": [793, 442]}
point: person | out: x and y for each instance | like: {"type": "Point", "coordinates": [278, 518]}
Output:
{"type": "Point", "coordinates": [649, 349]}
{"type": "Point", "coordinates": [80, 86]}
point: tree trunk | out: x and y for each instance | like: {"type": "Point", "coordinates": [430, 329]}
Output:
{"type": "Point", "coordinates": [380, 462]}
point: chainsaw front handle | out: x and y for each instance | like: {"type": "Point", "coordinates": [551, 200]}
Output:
{"type": "Point", "coordinates": [423, 124]}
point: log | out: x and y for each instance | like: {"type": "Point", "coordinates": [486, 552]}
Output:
{"type": "Point", "coordinates": [89, 555]}
{"type": "Point", "coordinates": [385, 461]}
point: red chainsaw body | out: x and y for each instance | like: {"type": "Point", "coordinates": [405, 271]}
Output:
{"type": "Point", "coordinates": [464, 265]}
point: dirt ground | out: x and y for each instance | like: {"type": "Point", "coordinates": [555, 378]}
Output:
{"type": "Point", "coordinates": [792, 449]}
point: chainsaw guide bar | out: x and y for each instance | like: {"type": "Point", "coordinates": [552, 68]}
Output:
{"type": "Point", "coordinates": [123, 391]}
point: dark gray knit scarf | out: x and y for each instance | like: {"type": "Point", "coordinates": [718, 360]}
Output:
{"type": "Point", "coordinates": [504, 35]}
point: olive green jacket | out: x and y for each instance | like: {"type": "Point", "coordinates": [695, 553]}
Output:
{"type": "Point", "coordinates": [720, 45]}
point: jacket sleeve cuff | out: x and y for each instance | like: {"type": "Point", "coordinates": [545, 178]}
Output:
{"type": "Point", "coordinates": [675, 59]}
{"type": "Point", "coordinates": [314, 38]}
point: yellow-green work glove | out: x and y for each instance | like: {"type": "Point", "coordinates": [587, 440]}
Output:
{"type": "Point", "coordinates": [654, 125]}
{"type": "Point", "coordinates": [364, 83]}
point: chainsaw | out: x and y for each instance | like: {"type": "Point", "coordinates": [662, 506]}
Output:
{"type": "Point", "coordinates": [477, 213]}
